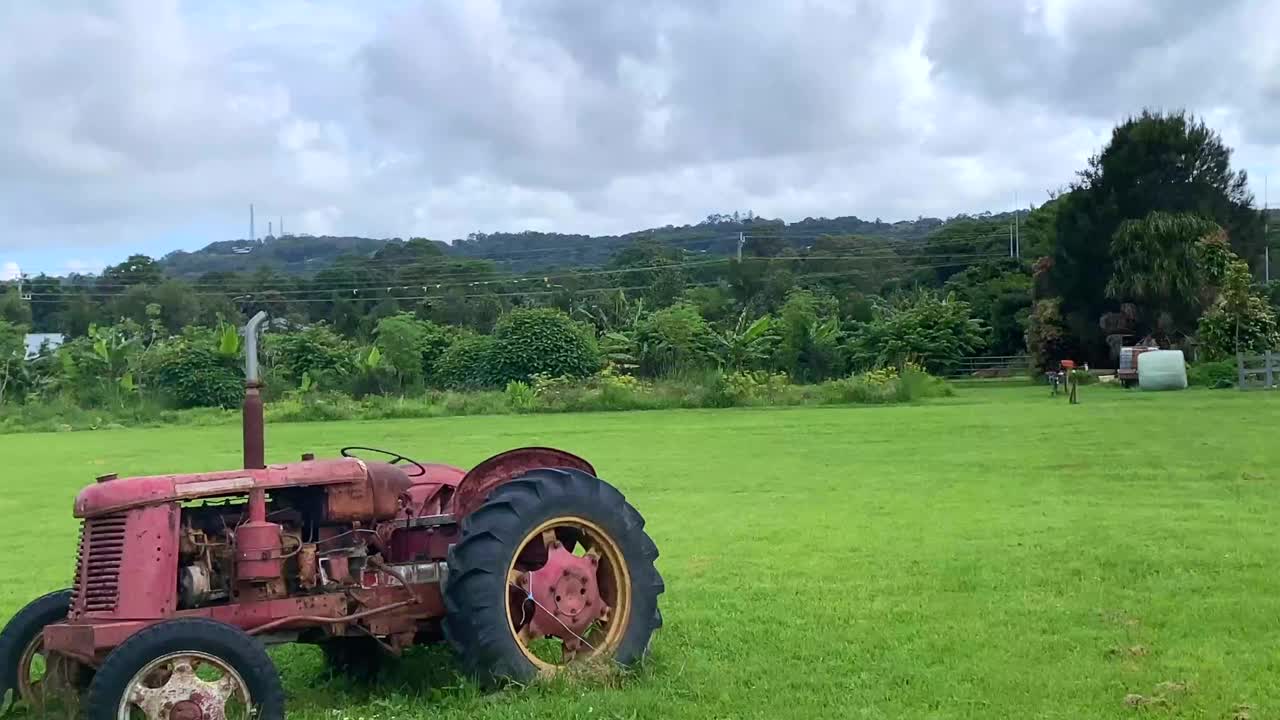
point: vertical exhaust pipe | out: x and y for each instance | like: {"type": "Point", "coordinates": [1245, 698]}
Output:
{"type": "Point", "coordinates": [254, 440]}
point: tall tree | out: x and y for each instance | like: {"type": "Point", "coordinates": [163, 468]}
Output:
{"type": "Point", "coordinates": [1170, 162]}
{"type": "Point", "coordinates": [1156, 263]}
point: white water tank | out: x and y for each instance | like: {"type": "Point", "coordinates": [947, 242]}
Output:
{"type": "Point", "coordinates": [1162, 370]}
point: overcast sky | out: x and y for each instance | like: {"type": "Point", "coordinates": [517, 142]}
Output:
{"type": "Point", "coordinates": [150, 125]}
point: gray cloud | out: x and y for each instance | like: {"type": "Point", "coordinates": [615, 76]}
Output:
{"type": "Point", "coordinates": [154, 119]}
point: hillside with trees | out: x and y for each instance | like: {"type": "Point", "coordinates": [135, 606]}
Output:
{"type": "Point", "coordinates": [1157, 237]}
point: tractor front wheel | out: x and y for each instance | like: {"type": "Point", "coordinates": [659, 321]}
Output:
{"type": "Point", "coordinates": [190, 667]}
{"type": "Point", "coordinates": [27, 672]}
{"type": "Point", "coordinates": [555, 568]}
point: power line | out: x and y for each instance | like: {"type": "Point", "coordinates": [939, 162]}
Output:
{"type": "Point", "coordinates": [369, 286]}
{"type": "Point", "coordinates": [380, 287]}
{"type": "Point", "coordinates": [566, 290]}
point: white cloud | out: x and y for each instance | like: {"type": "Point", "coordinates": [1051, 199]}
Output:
{"type": "Point", "coordinates": [134, 120]}
{"type": "Point", "coordinates": [10, 271]}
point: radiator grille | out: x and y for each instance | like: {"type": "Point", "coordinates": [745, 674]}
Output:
{"type": "Point", "coordinates": [97, 585]}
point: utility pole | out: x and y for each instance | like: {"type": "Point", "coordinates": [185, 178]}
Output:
{"type": "Point", "coordinates": [252, 236]}
{"type": "Point", "coordinates": [1010, 241]}
{"type": "Point", "coordinates": [742, 240]}
{"type": "Point", "coordinates": [1266, 241]}
{"type": "Point", "coordinates": [270, 232]}
{"type": "Point", "coordinates": [1017, 231]}
{"type": "Point", "coordinates": [23, 294]}
{"type": "Point", "coordinates": [281, 226]}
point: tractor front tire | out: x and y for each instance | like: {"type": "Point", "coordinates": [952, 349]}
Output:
{"type": "Point", "coordinates": [169, 656]}
{"type": "Point", "coordinates": [18, 635]}
{"type": "Point", "coordinates": [479, 622]}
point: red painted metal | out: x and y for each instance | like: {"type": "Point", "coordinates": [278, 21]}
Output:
{"type": "Point", "coordinates": [378, 498]}
{"type": "Point", "coordinates": [566, 594]}
{"type": "Point", "coordinates": [259, 551]}
{"type": "Point", "coordinates": [108, 497]}
{"type": "Point", "coordinates": [425, 544]}
{"type": "Point", "coordinates": [84, 639]}
{"type": "Point", "coordinates": [127, 564]}
{"type": "Point", "coordinates": [430, 494]}
{"type": "Point", "coordinates": [483, 478]}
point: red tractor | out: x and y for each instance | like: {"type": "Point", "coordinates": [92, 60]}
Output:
{"type": "Point", "coordinates": [524, 564]}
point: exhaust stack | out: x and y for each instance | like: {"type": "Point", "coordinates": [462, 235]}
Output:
{"type": "Point", "coordinates": [254, 439]}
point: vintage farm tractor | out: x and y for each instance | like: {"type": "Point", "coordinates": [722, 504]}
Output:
{"type": "Point", "coordinates": [524, 564]}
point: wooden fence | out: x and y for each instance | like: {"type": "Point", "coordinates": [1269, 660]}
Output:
{"type": "Point", "coordinates": [991, 366]}
{"type": "Point", "coordinates": [1257, 372]}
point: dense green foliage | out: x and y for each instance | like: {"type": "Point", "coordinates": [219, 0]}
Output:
{"type": "Point", "coordinates": [1156, 162]}
{"type": "Point", "coordinates": [201, 368]}
{"type": "Point", "coordinates": [1154, 241]}
{"type": "Point", "coordinates": [541, 341]}
{"type": "Point", "coordinates": [934, 331]}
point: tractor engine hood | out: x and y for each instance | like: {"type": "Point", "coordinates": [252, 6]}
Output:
{"type": "Point", "coordinates": [112, 494]}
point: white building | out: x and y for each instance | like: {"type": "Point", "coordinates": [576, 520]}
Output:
{"type": "Point", "coordinates": [36, 340]}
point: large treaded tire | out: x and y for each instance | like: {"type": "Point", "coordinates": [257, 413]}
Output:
{"type": "Point", "coordinates": [477, 624]}
{"type": "Point", "coordinates": [228, 643]}
{"type": "Point", "coordinates": [21, 630]}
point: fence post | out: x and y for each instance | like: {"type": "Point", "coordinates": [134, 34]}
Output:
{"type": "Point", "coordinates": [1240, 370]}
{"type": "Point", "coordinates": [1270, 370]}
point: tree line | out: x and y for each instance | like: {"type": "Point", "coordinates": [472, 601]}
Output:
{"type": "Point", "coordinates": [1158, 238]}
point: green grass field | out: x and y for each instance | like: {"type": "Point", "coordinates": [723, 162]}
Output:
{"type": "Point", "coordinates": [995, 555]}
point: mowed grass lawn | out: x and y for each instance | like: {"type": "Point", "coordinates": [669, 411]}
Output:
{"type": "Point", "coordinates": [995, 555]}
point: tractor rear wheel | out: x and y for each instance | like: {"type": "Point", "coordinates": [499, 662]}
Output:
{"type": "Point", "coordinates": [27, 673]}
{"type": "Point", "coordinates": [554, 568]}
{"type": "Point", "coordinates": [190, 667]}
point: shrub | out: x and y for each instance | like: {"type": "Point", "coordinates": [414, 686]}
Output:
{"type": "Point", "coordinates": [1217, 374]}
{"type": "Point", "coordinates": [410, 347]}
{"type": "Point", "coordinates": [675, 339]}
{"type": "Point", "coordinates": [317, 352]}
{"type": "Point", "coordinates": [520, 397]}
{"type": "Point", "coordinates": [1247, 325]}
{"type": "Point", "coordinates": [467, 364]}
{"type": "Point", "coordinates": [938, 331]}
{"type": "Point", "coordinates": [372, 374]}
{"type": "Point", "coordinates": [752, 388]}
{"type": "Point", "coordinates": [200, 369]}
{"type": "Point", "coordinates": [529, 342]}
{"type": "Point", "coordinates": [810, 338]}
{"type": "Point", "coordinates": [1048, 339]}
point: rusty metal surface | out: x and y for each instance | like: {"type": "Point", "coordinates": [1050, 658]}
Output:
{"type": "Point", "coordinates": [483, 478]}
{"type": "Point", "coordinates": [566, 596]}
{"type": "Point", "coordinates": [419, 543]}
{"type": "Point", "coordinates": [308, 566]}
{"type": "Point", "coordinates": [115, 495]}
{"type": "Point", "coordinates": [376, 497]}
{"type": "Point", "coordinates": [169, 688]}
{"type": "Point", "coordinates": [135, 551]}
{"type": "Point", "coordinates": [259, 551]}
{"type": "Point", "coordinates": [85, 638]}
{"type": "Point", "coordinates": [254, 432]}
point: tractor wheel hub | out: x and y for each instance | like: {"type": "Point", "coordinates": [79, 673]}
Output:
{"type": "Point", "coordinates": [567, 594]}
{"type": "Point", "coordinates": [186, 710]}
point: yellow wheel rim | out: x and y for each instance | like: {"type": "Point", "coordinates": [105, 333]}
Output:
{"type": "Point", "coordinates": [583, 538]}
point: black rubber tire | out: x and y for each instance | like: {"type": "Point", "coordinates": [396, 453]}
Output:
{"type": "Point", "coordinates": [21, 630]}
{"type": "Point", "coordinates": [477, 625]}
{"type": "Point", "coordinates": [243, 653]}
{"type": "Point", "coordinates": [357, 658]}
